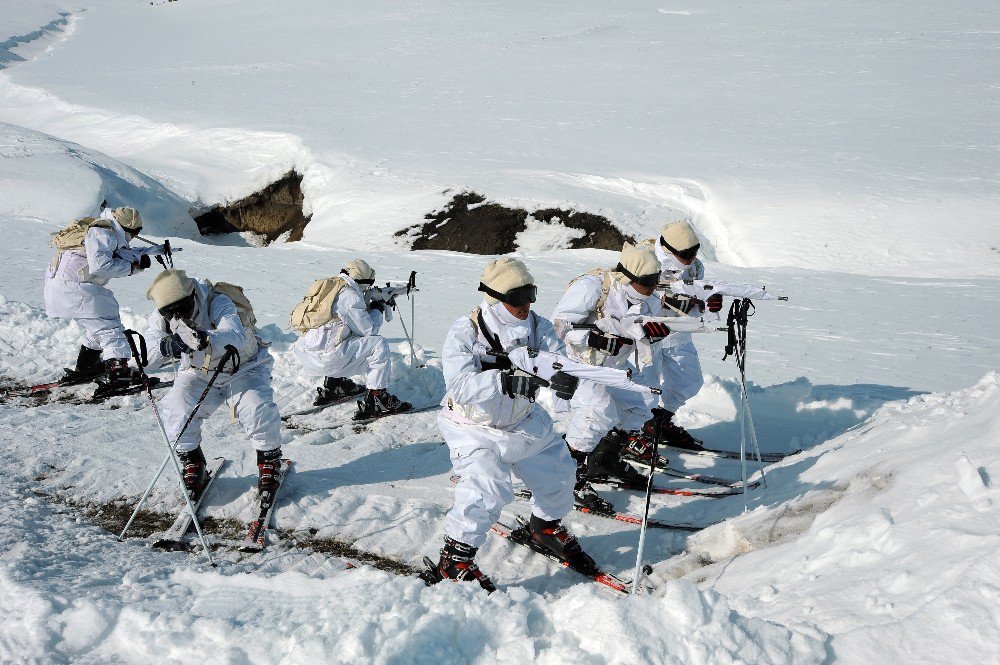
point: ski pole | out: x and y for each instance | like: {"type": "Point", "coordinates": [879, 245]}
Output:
{"type": "Point", "coordinates": [141, 362]}
{"type": "Point", "coordinates": [411, 287]}
{"type": "Point", "coordinates": [145, 495]}
{"type": "Point", "coordinates": [413, 368]}
{"type": "Point", "coordinates": [658, 414]}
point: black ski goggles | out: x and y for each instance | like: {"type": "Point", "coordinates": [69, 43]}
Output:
{"type": "Point", "coordinates": [522, 295]}
{"type": "Point", "coordinates": [360, 282]}
{"type": "Point", "coordinates": [649, 281]}
{"type": "Point", "coordinates": [183, 308]}
{"type": "Point", "coordinates": [686, 254]}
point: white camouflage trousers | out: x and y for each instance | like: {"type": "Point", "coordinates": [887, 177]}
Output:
{"type": "Point", "coordinates": [248, 392]}
{"type": "Point", "coordinates": [484, 457]}
{"type": "Point", "coordinates": [108, 335]}
{"type": "Point", "coordinates": [680, 375]}
{"type": "Point", "coordinates": [598, 409]}
{"type": "Point", "coordinates": [355, 355]}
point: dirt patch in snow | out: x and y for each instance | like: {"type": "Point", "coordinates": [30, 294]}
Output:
{"type": "Point", "coordinates": [339, 548]}
{"type": "Point", "coordinates": [113, 517]}
{"type": "Point", "coordinates": [271, 213]}
{"type": "Point", "coordinates": [471, 224]}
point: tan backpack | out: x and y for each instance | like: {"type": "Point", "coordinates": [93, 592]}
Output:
{"type": "Point", "coordinates": [239, 298]}
{"type": "Point", "coordinates": [72, 236]}
{"type": "Point", "coordinates": [316, 309]}
{"type": "Point", "coordinates": [608, 277]}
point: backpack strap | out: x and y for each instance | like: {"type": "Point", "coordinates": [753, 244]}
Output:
{"type": "Point", "coordinates": [491, 339]}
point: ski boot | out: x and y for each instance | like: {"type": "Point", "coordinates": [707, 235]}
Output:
{"type": "Point", "coordinates": [380, 403]}
{"type": "Point", "coordinates": [336, 389]}
{"type": "Point", "coordinates": [119, 379]}
{"type": "Point", "coordinates": [606, 461]}
{"type": "Point", "coordinates": [195, 474]}
{"type": "Point", "coordinates": [553, 537]}
{"type": "Point", "coordinates": [671, 433]}
{"type": "Point", "coordinates": [457, 563]}
{"type": "Point", "coordinates": [88, 367]}
{"type": "Point", "coordinates": [583, 492]}
{"type": "Point", "coordinates": [268, 469]}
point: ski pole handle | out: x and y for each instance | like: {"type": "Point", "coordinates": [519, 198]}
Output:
{"type": "Point", "coordinates": [139, 353]}
{"type": "Point", "coordinates": [232, 353]}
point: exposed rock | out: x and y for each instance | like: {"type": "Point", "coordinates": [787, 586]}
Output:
{"type": "Point", "coordinates": [470, 224]}
{"type": "Point", "coordinates": [270, 213]}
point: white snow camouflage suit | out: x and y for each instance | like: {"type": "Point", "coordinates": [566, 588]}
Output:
{"type": "Point", "coordinates": [490, 435]}
{"type": "Point", "coordinates": [679, 368]}
{"type": "Point", "coordinates": [349, 344]}
{"type": "Point", "coordinates": [75, 287]}
{"type": "Point", "coordinates": [596, 408]}
{"type": "Point", "coordinates": [248, 391]}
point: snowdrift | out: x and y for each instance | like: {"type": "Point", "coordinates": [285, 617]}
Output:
{"type": "Point", "coordinates": [889, 528]}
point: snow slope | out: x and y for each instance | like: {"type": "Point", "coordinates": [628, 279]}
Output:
{"type": "Point", "coordinates": [834, 136]}
{"type": "Point", "coordinates": [836, 361]}
{"type": "Point", "coordinates": [878, 541]}
{"type": "Point", "coordinates": [818, 148]}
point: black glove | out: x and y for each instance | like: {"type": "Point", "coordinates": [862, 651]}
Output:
{"type": "Point", "coordinates": [173, 346]}
{"type": "Point", "coordinates": [143, 263]}
{"type": "Point", "coordinates": [714, 302]}
{"type": "Point", "coordinates": [520, 385]}
{"type": "Point", "coordinates": [563, 384]}
{"type": "Point", "coordinates": [489, 362]}
{"type": "Point", "coordinates": [376, 305]}
{"type": "Point", "coordinates": [610, 343]}
{"type": "Point", "coordinates": [655, 330]}
{"type": "Point", "coordinates": [684, 305]}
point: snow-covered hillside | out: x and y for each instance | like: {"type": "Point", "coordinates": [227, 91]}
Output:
{"type": "Point", "coordinates": [842, 154]}
{"type": "Point", "coordinates": [776, 125]}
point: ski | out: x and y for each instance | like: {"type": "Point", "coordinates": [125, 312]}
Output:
{"type": "Point", "coordinates": [43, 389]}
{"type": "Point", "coordinates": [257, 529]}
{"type": "Point", "coordinates": [317, 408]}
{"type": "Point", "coordinates": [766, 458]}
{"type": "Point", "coordinates": [624, 517]}
{"type": "Point", "coordinates": [154, 384]}
{"type": "Point", "coordinates": [696, 477]}
{"type": "Point", "coordinates": [173, 538]}
{"type": "Point", "coordinates": [40, 389]}
{"type": "Point", "coordinates": [521, 537]}
{"type": "Point", "coordinates": [713, 492]}
{"type": "Point", "coordinates": [359, 422]}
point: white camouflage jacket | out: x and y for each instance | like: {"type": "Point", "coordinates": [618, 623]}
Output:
{"type": "Point", "coordinates": [473, 391]}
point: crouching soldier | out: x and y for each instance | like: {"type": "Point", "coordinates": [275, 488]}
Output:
{"type": "Point", "coordinates": [605, 419]}
{"type": "Point", "coordinates": [195, 322]}
{"type": "Point", "coordinates": [493, 426]}
{"type": "Point", "coordinates": [91, 252]}
{"type": "Point", "coordinates": [679, 367]}
{"type": "Point", "coordinates": [340, 339]}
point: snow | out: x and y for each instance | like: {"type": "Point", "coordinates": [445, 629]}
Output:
{"type": "Point", "coordinates": [782, 123]}
{"type": "Point", "coordinates": [842, 154]}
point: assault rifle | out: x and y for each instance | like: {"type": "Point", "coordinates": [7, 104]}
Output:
{"type": "Point", "coordinates": [164, 254]}
{"type": "Point", "coordinates": [702, 289]}
{"type": "Point", "coordinates": [702, 324]}
{"type": "Point", "coordinates": [387, 294]}
{"type": "Point", "coordinates": [544, 364]}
